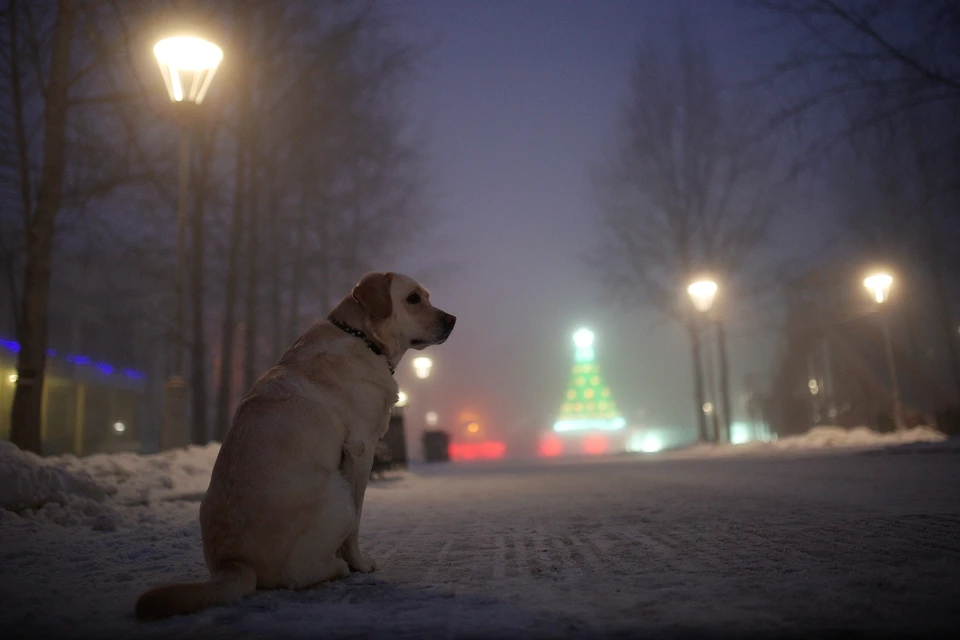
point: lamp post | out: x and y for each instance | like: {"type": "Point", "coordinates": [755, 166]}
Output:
{"type": "Point", "coordinates": [188, 65]}
{"type": "Point", "coordinates": [878, 284]}
{"type": "Point", "coordinates": [702, 292]}
{"type": "Point", "coordinates": [422, 365]}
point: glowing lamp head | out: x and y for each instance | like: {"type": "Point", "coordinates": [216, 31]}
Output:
{"type": "Point", "coordinates": [702, 292]}
{"type": "Point", "coordinates": [422, 366]}
{"type": "Point", "coordinates": [188, 64]}
{"type": "Point", "coordinates": [432, 418]}
{"type": "Point", "coordinates": [402, 399]}
{"type": "Point", "coordinates": [879, 286]}
{"type": "Point", "coordinates": [473, 427]}
{"type": "Point", "coordinates": [119, 427]}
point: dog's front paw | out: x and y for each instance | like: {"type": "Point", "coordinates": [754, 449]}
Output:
{"type": "Point", "coordinates": [362, 562]}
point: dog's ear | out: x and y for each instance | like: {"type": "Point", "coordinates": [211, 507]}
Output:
{"type": "Point", "coordinates": [373, 294]}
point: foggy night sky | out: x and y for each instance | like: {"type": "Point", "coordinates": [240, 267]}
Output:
{"type": "Point", "coordinates": [519, 99]}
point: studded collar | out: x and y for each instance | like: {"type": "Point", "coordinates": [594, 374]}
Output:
{"type": "Point", "coordinates": [360, 334]}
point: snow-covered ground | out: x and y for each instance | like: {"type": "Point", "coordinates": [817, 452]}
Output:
{"type": "Point", "coordinates": [821, 534]}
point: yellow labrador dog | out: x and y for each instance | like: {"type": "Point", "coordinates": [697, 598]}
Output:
{"type": "Point", "coordinates": [284, 503]}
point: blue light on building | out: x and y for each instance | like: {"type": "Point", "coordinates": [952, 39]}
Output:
{"type": "Point", "coordinates": [103, 367]}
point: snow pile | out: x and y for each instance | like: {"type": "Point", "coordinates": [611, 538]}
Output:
{"type": "Point", "coordinates": [139, 479]}
{"type": "Point", "coordinates": [821, 438]}
{"type": "Point", "coordinates": [72, 491]}
{"type": "Point", "coordinates": [31, 485]}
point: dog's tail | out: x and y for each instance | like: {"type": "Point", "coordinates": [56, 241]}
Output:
{"type": "Point", "coordinates": [231, 582]}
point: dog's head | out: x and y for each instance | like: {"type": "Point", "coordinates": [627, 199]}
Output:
{"type": "Point", "coordinates": [400, 314]}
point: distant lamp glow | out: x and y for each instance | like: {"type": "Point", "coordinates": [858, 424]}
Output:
{"type": "Point", "coordinates": [550, 447]}
{"type": "Point", "coordinates": [702, 292]}
{"type": "Point", "coordinates": [422, 366]}
{"type": "Point", "coordinates": [473, 427]}
{"type": "Point", "coordinates": [119, 427]}
{"type": "Point", "coordinates": [879, 286]}
{"type": "Point", "coordinates": [13, 377]}
{"type": "Point", "coordinates": [188, 65]}
{"type": "Point", "coordinates": [587, 424]}
{"type": "Point", "coordinates": [432, 418]}
{"type": "Point", "coordinates": [814, 387]}
{"type": "Point", "coordinates": [402, 399]}
{"type": "Point", "coordinates": [708, 408]}
{"type": "Point", "coordinates": [651, 444]}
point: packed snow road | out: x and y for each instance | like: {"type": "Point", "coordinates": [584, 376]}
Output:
{"type": "Point", "coordinates": [858, 544]}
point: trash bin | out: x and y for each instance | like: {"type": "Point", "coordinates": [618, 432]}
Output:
{"type": "Point", "coordinates": [436, 445]}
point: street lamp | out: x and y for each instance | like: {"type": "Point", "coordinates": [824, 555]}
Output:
{"type": "Point", "coordinates": [878, 284]}
{"type": "Point", "coordinates": [702, 292]}
{"type": "Point", "coordinates": [422, 366]}
{"type": "Point", "coordinates": [187, 64]}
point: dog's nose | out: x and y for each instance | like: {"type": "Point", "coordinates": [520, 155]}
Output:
{"type": "Point", "coordinates": [450, 320]}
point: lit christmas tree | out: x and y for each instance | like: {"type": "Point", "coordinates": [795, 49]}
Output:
{"type": "Point", "coordinates": [588, 403]}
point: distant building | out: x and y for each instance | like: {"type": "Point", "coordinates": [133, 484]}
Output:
{"type": "Point", "coordinates": [832, 368]}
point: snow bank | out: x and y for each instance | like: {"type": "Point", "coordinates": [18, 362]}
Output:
{"type": "Point", "coordinates": [140, 479]}
{"type": "Point", "coordinates": [819, 439]}
{"type": "Point", "coordinates": [87, 491]}
{"type": "Point", "coordinates": [31, 485]}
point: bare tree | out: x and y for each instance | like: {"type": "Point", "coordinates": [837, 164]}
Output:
{"type": "Point", "coordinates": [686, 187]}
{"type": "Point", "coordinates": [40, 223]}
{"type": "Point", "coordinates": [877, 83]}
{"type": "Point", "coordinates": [854, 64]}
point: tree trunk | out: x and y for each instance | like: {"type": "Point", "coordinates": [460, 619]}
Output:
{"type": "Point", "coordinates": [232, 284]}
{"type": "Point", "coordinates": [698, 397]}
{"type": "Point", "coordinates": [276, 302]}
{"type": "Point", "coordinates": [726, 415]}
{"type": "Point", "coordinates": [253, 272]}
{"type": "Point", "coordinates": [23, 162]}
{"type": "Point", "coordinates": [27, 411]}
{"type": "Point", "coordinates": [296, 279]}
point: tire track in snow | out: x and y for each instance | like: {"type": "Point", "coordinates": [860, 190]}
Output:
{"type": "Point", "coordinates": [403, 542]}
{"type": "Point", "coordinates": [500, 558]}
{"type": "Point", "coordinates": [430, 576]}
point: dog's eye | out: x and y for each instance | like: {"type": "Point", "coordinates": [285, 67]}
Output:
{"type": "Point", "coordinates": [413, 298]}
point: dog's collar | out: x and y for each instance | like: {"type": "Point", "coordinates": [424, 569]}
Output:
{"type": "Point", "coordinates": [360, 334]}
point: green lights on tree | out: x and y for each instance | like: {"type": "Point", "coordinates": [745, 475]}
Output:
{"type": "Point", "coordinates": [588, 403]}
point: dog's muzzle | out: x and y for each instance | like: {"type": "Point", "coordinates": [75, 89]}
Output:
{"type": "Point", "coordinates": [448, 322]}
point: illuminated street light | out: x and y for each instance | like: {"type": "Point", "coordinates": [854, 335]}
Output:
{"type": "Point", "coordinates": [402, 399]}
{"type": "Point", "coordinates": [422, 366]}
{"type": "Point", "coordinates": [432, 418]}
{"type": "Point", "coordinates": [879, 286]}
{"type": "Point", "coordinates": [187, 64]}
{"type": "Point", "coordinates": [702, 292]}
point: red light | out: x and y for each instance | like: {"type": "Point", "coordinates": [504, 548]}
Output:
{"type": "Point", "coordinates": [550, 447]}
{"type": "Point", "coordinates": [595, 445]}
{"type": "Point", "coordinates": [473, 450]}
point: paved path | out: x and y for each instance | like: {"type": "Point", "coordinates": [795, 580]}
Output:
{"type": "Point", "coordinates": [852, 545]}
